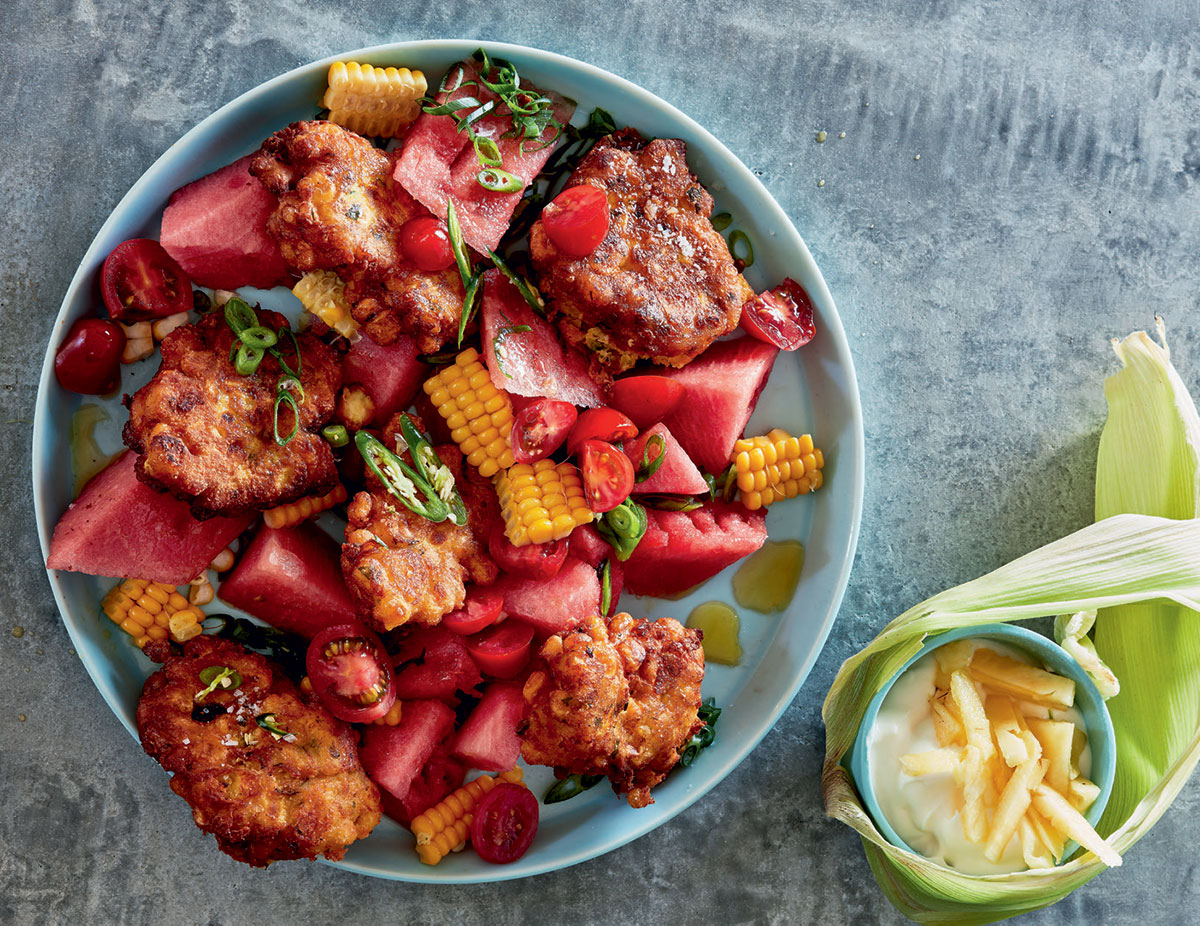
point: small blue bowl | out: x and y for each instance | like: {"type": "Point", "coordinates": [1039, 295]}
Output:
{"type": "Point", "coordinates": [1096, 719]}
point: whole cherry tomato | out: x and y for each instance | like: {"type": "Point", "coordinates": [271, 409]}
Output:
{"type": "Point", "coordinates": [783, 316]}
{"type": "Point", "coordinates": [607, 475]}
{"type": "Point", "coordinates": [140, 281]}
{"type": "Point", "coordinates": [577, 219]}
{"type": "Point", "coordinates": [426, 243]}
{"type": "Point", "coordinates": [606, 424]}
{"type": "Point", "coordinates": [89, 360]}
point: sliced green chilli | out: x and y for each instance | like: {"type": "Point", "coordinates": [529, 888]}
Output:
{"type": "Point", "coordinates": [499, 180]}
{"type": "Point", "coordinates": [526, 289]}
{"type": "Point", "coordinates": [649, 465]}
{"type": "Point", "coordinates": [456, 243]}
{"type": "Point", "coordinates": [736, 237]}
{"type": "Point", "coordinates": [470, 298]}
{"type": "Point", "coordinates": [400, 479]}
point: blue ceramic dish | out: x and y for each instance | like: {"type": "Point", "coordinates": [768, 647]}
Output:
{"type": "Point", "coordinates": [1096, 719]}
{"type": "Point", "coordinates": [814, 390]}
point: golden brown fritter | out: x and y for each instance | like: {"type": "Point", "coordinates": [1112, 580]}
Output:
{"type": "Point", "coordinates": [265, 798]}
{"type": "Point", "coordinates": [206, 434]}
{"type": "Point", "coordinates": [619, 700]}
{"type": "Point", "coordinates": [340, 210]}
{"type": "Point", "coordinates": [662, 285]}
{"type": "Point", "coordinates": [401, 567]}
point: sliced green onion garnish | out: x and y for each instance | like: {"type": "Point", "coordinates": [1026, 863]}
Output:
{"type": "Point", "coordinates": [623, 527]}
{"type": "Point", "coordinates": [239, 316]}
{"type": "Point", "coordinates": [569, 787]}
{"type": "Point", "coordinates": [671, 502]}
{"type": "Point", "coordinates": [400, 479]}
{"type": "Point", "coordinates": [709, 713]}
{"type": "Point", "coordinates": [284, 397]}
{"type": "Point", "coordinates": [721, 221]}
{"type": "Point", "coordinates": [216, 677]}
{"type": "Point", "coordinates": [248, 360]}
{"type": "Point", "coordinates": [296, 347]}
{"type": "Point", "coordinates": [526, 288]}
{"type": "Point", "coordinates": [468, 307]}
{"type": "Point", "coordinates": [258, 336]}
{"type": "Point", "coordinates": [650, 464]}
{"type": "Point", "coordinates": [456, 243]}
{"type": "Point", "coordinates": [487, 151]}
{"type": "Point", "coordinates": [267, 722]}
{"type": "Point", "coordinates": [605, 586]}
{"type": "Point", "coordinates": [740, 237]}
{"type": "Point", "coordinates": [499, 181]}
{"type": "Point", "coordinates": [451, 106]}
{"type": "Point", "coordinates": [336, 434]}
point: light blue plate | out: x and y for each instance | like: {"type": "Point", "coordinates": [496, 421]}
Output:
{"type": "Point", "coordinates": [813, 390]}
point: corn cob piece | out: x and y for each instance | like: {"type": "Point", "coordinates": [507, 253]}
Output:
{"type": "Point", "coordinates": [444, 828]}
{"type": "Point", "coordinates": [324, 295]}
{"type": "Point", "coordinates": [375, 102]}
{"type": "Point", "coordinates": [293, 513]}
{"type": "Point", "coordinates": [152, 611]}
{"type": "Point", "coordinates": [391, 718]}
{"type": "Point", "coordinates": [776, 466]}
{"type": "Point", "coordinates": [478, 414]}
{"type": "Point", "coordinates": [541, 501]}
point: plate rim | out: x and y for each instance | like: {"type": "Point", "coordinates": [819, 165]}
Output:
{"type": "Point", "coordinates": [831, 327]}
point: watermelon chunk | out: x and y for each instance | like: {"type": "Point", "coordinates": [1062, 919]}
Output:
{"type": "Point", "coordinates": [438, 163]}
{"type": "Point", "coordinates": [216, 228]}
{"type": "Point", "coordinates": [292, 579]}
{"type": "Point", "coordinates": [533, 362]}
{"type": "Point", "coordinates": [438, 777]}
{"type": "Point", "coordinates": [488, 740]}
{"type": "Point", "coordinates": [723, 385]}
{"type": "Point", "coordinates": [682, 549]}
{"type": "Point", "coordinates": [587, 544]}
{"type": "Point", "coordinates": [394, 756]}
{"type": "Point", "coordinates": [121, 527]}
{"type": "Point", "coordinates": [676, 475]}
{"type": "Point", "coordinates": [391, 375]}
{"type": "Point", "coordinates": [432, 662]}
{"type": "Point", "coordinates": [553, 605]}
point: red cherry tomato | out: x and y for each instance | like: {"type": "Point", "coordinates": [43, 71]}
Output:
{"type": "Point", "coordinates": [506, 820]}
{"type": "Point", "coordinates": [481, 609]}
{"type": "Point", "coordinates": [140, 281]}
{"type": "Point", "coordinates": [426, 243]}
{"type": "Point", "coordinates": [540, 428]}
{"type": "Point", "coordinates": [503, 650]}
{"type": "Point", "coordinates": [605, 424]}
{"type": "Point", "coordinates": [576, 220]}
{"type": "Point", "coordinates": [350, 672]}
{"type": "Point", "coordinates": [647, 400]}
{"type": "Point", "coordinates": [532, 561]}
{"type": "Point", "coordinates": [89, 360]}
{"type": "Point", "coordinates": [783, 316]}
{"type": "Point", "coordinates": [607, 475]}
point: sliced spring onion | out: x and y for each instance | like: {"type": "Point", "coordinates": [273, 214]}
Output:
{"type": "Point", "coordinates": [649, 465]}
{"type": "Point", "coordinates": [258, 336]}
{"type": "Point", "coordinates": [239, 316]}
{"type": "Point", "coordinates": [499, 181]}
{"type": "Point", "coordinates": [487, 151]}
{"type": "Point", "coordinates": [569, 787]}
{"type": "Point", "coordinates": [400, 479]}
{"type": "Point", "coordinates": [267, 722]}
{"type": "Point", "coordinates": [450, 107]}
{"type": "Point", "coordinates": [284, 397]}
{"type": "Point", "coordinates": [288, 371]}
{"type": "Point", "coordinates": [470, 298]}
{"type": "Point", "coordinates": [736, 237]}
{"type": "Point", "coordinates": [721, 221]}
{"type": "Point", "coordinates": [709, 714]}
{"type": "Point", "coordinates": [457, 245]}
{"type": "Point", "coordinates": [605, 586]}
{"type": "Point", "coordinates": [336, 434]}
{"type": "Point", "coordinates": [671, 502]}
{"type": "Point", "coordinates": [248, 360]}
{"type": "Point", "coordinates": [527, 289]}
{"type": "Point", "coordinates": [623, 527]}
{"type": "Point", "coordinates": [215, 677]}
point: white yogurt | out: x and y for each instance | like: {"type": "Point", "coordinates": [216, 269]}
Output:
{"type": "Point", "coordinates": [922, 810]}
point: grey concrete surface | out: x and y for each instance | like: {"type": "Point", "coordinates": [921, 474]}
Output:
{"type": "Point", "coordinates": [1018, 183]}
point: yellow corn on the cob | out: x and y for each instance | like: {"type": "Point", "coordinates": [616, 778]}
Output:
{"type": "Point", "coordinates": [375, 102]}
{"type": "Point", "coordinates": [324, 295]}
{"type": "Point", "coordinates": [444, 827]}
{"type": "Point", "coordinates": [776, 466]}
{"type": "Point", "coordinates": [478, 414]}
{"type": "Point", "coordinates": [152, 611]}
{"type": "Point", "coordinates": [541, 501]}
{"type": "Point", "coordinates": [293, 513]}
{"type": "Point", "coordinates": [392, 717]}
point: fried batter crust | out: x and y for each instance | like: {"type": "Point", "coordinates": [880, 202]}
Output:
{"type": "Point", "coordinates": [401, 567]}
{"type": "Point", "coordinates": [662, 285]}
{"type": "Point", "coordinates": [619, 700]}
{"type": "Point", "coordinates": [340, 210]}
{"type": "Point", "coordinates": [206, 434]}
{"type": "Point", "coordinates": [263, 799]}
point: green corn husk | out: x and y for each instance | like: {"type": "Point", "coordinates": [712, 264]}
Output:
{"type": "Point", "coordinates": [1140, 572]}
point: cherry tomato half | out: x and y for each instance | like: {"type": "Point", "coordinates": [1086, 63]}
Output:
{"type": "Point", "coordinates": [350, 672]}
{"type": "Point", "coordinates": [503, 650]}
{"type": "Point", "coordinates": [140, 281]}
{"type": "Point", "coordinates": [532, 561]}
{"type": "Point", "coordinates": [481, 609]}
{"type": "Point", "coordinates": [540, 428]}
{"type": "Point", "coordinates": [506, 820]}
{"type": "Point", "coordinates": [607, 475]}
{"type": "Point", "coordinates": [605, 424]}
{"type": "Point", "coordinates": [783, 316]}
{"type": "Point", "coordinates": [89, 360]}
{"type": "Point", "coordinates": [576, 220]}
{"type": "Point", "coordinates": [647, 400]}
{"type": "Point", "coordinates": [426, 243]}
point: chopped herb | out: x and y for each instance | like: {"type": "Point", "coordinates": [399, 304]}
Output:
{"type": "Point", "coordinates": [287, 649]}
{"type": "Point", "coordinates": [709, 714]}
{"type": "Point", "coordinates": [721, 221]}
{"type": "Point", "coordinates": [737, 237]}
{"type": "Point", "coordinates": [623, 527]}
{"type": "Point", "coordinates": [252, 342]}
{"type": "Point", "coordinates": [217, 677]}
{"type": "Point", "coordinates": [671, 502]}
{"type": "Point", "coordinates": [267, 722]}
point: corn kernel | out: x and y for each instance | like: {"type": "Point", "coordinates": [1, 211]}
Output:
{"type": "Point", "coordinates": [776, 466]}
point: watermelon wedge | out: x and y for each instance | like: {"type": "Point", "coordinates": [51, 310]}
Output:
{"type": "Point", "coordinates": [394, 756]}
{"type": "Point", "coordinates": [437, 778]}
{"type": "Point", "coordinates": [292, 579]}
{"type": "Point", "coordinates": [216, 228]}
{"type": "Point", "coordinates": [587, 544]}
{"type": "Point", "coordinates": [553, 605]}
{"type": "Point", "coordinates": [676, 475]}
{"type": "Point", "coordinates": [682, 549]}
{"type": "Point", "coordinates": [432, 662]}
{"type": "Point", "coordinates": [722, 387]}
{"type": "Point", "coordinates": [488, 740]}
{"type": "Point", "coordinates": [391, 375]}
{"type": "Point", "coordinates": [438, 163]}
{"type": "Point", "coordinates": [533, 362]}
{"type": "Point", "coordinates": [121, 527]}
